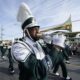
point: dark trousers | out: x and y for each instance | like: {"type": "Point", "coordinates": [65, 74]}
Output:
{"type": "Point", "coordinates": [63, 67]}
{"type": "Point", "coordinates": [10, 60]}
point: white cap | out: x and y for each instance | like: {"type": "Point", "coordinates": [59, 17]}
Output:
{"type": "Point", "coordinates": [59, 40]}
{"type": "Point", "coordinates": [25, 16]}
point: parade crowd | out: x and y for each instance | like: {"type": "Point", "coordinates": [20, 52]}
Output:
{"type": "Point", "coordinates": [36, 53]}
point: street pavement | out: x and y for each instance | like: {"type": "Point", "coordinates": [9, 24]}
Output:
{"type": "Point", "coordinates": [73, 69]}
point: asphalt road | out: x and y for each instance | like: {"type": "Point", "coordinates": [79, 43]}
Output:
{"type": "Point", "coordinates": [73, 69]}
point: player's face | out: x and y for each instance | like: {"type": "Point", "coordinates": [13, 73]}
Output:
{"type": "Point", "coordinates": [33, 32]}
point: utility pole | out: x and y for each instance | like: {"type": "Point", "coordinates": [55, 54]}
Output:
{"type": "Point", "coordinates": [1, 32]}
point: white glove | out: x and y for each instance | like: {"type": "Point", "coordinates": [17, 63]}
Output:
{"type": "Point", "coordinates": [47, 39]}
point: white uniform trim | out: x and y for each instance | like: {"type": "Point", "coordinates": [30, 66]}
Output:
{"type": "Point", "coordinates": [36, 47]}
{"type": "Point", "coordinates": [20, 51]}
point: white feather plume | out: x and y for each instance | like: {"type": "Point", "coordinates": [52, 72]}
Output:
{"type": "Point", "coordinates": [24, 13]}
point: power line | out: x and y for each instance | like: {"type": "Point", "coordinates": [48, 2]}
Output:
{"type": "Point", "coordinates": [76, 20]}
{"type": "Point", "coordinates": [58, 4]}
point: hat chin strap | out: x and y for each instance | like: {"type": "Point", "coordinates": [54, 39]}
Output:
{"type": "Point", "coordinates": [29, 34]}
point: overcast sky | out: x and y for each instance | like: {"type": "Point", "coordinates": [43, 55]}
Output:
{"type": "Point", "coordinates": [47, 13]}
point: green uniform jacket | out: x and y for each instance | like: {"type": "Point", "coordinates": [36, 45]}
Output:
{"type": "Point", "coordinates": [57, 56]}
{"type": "Point", "coordinates": [32, 69]}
